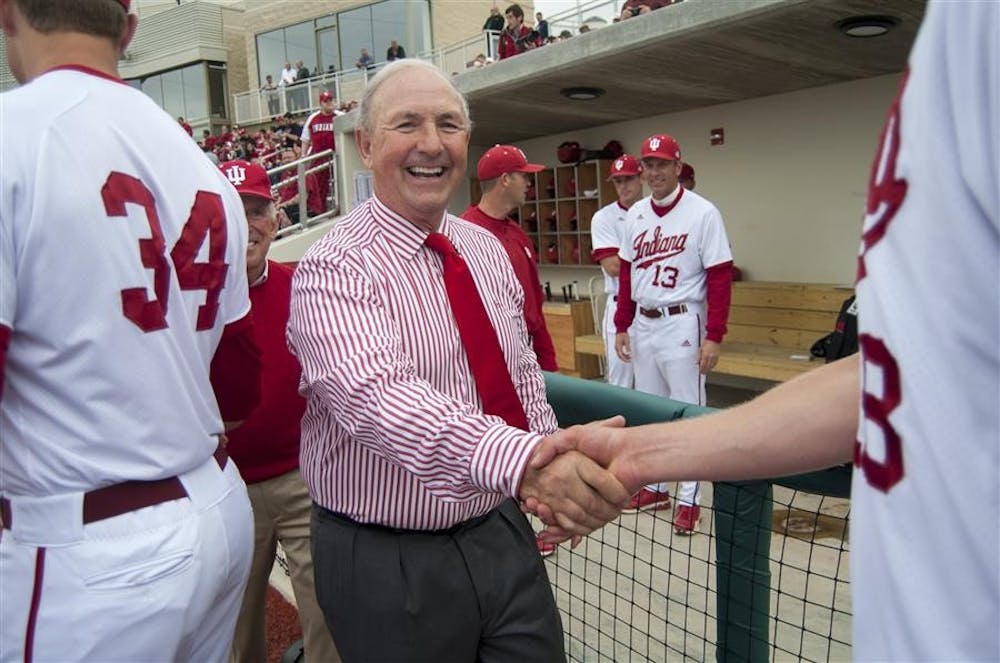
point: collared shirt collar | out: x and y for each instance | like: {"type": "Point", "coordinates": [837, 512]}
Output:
{"type": "Point", "coordinates": [402, 235]}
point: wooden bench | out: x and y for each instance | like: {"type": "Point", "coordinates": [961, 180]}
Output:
{"type": "Point", "coordinates": [772, 325]}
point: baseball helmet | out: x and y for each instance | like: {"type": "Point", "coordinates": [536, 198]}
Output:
{"type": "Point", "coordinates": [568, 152]}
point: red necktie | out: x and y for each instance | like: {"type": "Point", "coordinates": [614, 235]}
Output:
{"type": "Point", "coordinates": [478, 337]}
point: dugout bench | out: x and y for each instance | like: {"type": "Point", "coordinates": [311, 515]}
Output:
{"type": "Point", "coordinates": [772, 325]}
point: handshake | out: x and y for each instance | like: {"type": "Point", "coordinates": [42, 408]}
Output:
{"type": "Point", "coordinates": [579, 479]}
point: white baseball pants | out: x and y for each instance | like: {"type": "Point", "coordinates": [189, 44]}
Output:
{"type": "Point", "coordinates": [617, 372]}
{"type": "Point", "coordinates": [665, 361]}
{"type": "Point", "coordinates": [161, 583]}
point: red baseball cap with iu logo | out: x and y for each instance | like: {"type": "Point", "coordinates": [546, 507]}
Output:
{"type": "Point", "coordinates": [501, 159]}
{"type": "Point", "coordinates": [325, 96]}
{"type": "Point", "coordinates": [248, 178]}
{"type": "Point", "coordinates": [661, 146]}
{"type": "Point", "coordinates": [625, 166]}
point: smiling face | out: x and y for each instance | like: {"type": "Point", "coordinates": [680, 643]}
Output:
{"type": "Point", "coordinates": [661, 176]}
{"type": "Point", "coordinates": [417, 144]}
{"type": "Point", "coordinates": [262, 221]}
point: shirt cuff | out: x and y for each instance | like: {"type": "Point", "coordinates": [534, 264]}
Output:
{"type": "Point", "coordinates": [500, 459]}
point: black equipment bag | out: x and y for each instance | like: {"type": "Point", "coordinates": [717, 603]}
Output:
{"type": "Point", "coordinates": [843, 340]}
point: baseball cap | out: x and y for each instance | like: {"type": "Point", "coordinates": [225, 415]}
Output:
{"type": "Point", "coordinates": [501, 159]}
{"type": "Point", "coordinates": [625, 166]}
{"type": "Point", "coordinates": [248, 178]}
{"type": "Point", "coordinates": [325, 96]}
{"type": "Point", "coordinates": [661, 146]}
{"type": "Point", "coordinates": [687, 172]}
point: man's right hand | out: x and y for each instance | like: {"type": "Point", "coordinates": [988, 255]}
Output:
{"type": "Point", "coordinates": [579, 494]}
{"type": "Point", "coordinates": [623, 346]}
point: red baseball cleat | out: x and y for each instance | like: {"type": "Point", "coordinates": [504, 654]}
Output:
{"type": "Point", "coordinates": [545, 549]}
{"type": "Point", "coordinates": [648, 500]}
{"type": "Point", "coordinates": [686, 519]}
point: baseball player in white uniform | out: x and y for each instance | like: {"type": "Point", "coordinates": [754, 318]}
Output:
{"type": "Point", "coordinates": [607, 228]}
{"type": "Point", "coordinates": [676, 269]}
{"type": "Point", "coordinates": [126, 532]}
{"type": "Point", "coordinates": [916, 409]}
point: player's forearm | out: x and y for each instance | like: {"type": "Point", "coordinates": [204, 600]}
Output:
{"type": "Point", "coordinates": [805, 424]}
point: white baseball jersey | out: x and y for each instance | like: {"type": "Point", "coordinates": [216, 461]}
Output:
{"type": "Point", "coordinates": [117, 276]}
{"type": "Point", "coordinates": [926, 497]}
{"type": "Point", "coordinates": [670, 254]}
{"type": "Point", "coordinates": [607, 228]}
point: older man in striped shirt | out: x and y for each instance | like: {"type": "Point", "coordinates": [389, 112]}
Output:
{"type": "Point", "coordinates": [420, 550]}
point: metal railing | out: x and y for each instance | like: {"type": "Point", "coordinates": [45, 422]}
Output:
{"type": "Point", "coordinates": [327, 163]}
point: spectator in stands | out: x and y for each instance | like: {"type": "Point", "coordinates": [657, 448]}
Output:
{"type": "Point", "coordinates": [366, 61]}
{"type": "Point", "coordinates": [265, 448]}
{"type": "Point", "coordinates": [317, 136]}
{"type": "Point", "coordinates": [686, 178]}
{"type": "Point", "coordinates": [287, 74]}
{"type": "Point", "coordinates": [564, 35]}
{"type": "Point", "coordinates": [492, 28]}
{"type": "Point", "coordinates": [542, 27]}
{"type": "Point", "coordinates": [517, 37]}
{"type": "Point", "coordinates": [288, 189]}
{"type": "Point", "coordinates": [302, 72]}
{"type": "Point", "coordinates": [299, 97]}
{"type": "Point", "coordinates": [495, 22]}
{"type": "Point", "coordinates": [185, 126]}
{"type": "Point", "coordinates": [584, 29]}
{"type": "Point", "coordinates": [394, 52]}
{"type": "Point", "coordinates": [270, 92]}
{"type": "Point", "coordinates": [639, 7]}
{"type": "Point", "coordinates": [479, 61]}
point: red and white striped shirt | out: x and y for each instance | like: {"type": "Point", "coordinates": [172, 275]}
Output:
{"type": "Point", "coordinates": [394, 432]}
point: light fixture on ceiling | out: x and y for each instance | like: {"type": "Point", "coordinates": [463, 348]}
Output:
{"type": "Point", "coordinates": [867, 26]}
{"type": "Point", "coordinates": [582, 93]}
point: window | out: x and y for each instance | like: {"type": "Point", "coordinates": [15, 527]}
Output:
{"type": "Point", "coordinates": [337, 39]}
{"type": "Point", "coordinates": [185, 92]}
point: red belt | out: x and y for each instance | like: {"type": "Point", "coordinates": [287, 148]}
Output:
{"type": "Point", "coordinates": [676, 309]}
{"type": "Point", "coordinates": [124, 497]}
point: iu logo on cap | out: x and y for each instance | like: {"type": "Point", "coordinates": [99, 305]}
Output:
{"type": "Point", "coordinates": [619, 164]}
{"type": "Point", "coordinates": [236, 174]}
{"type": "Point", "coordinates": [654, 143]}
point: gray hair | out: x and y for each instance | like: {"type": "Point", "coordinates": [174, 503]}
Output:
{"type": "Point", "coordinates": [401, 67]}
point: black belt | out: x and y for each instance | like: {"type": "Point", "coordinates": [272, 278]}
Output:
{"type": "Point", "coordinates": [119, 498]}
{"type": "Point", "coordinates": [676, 309]}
